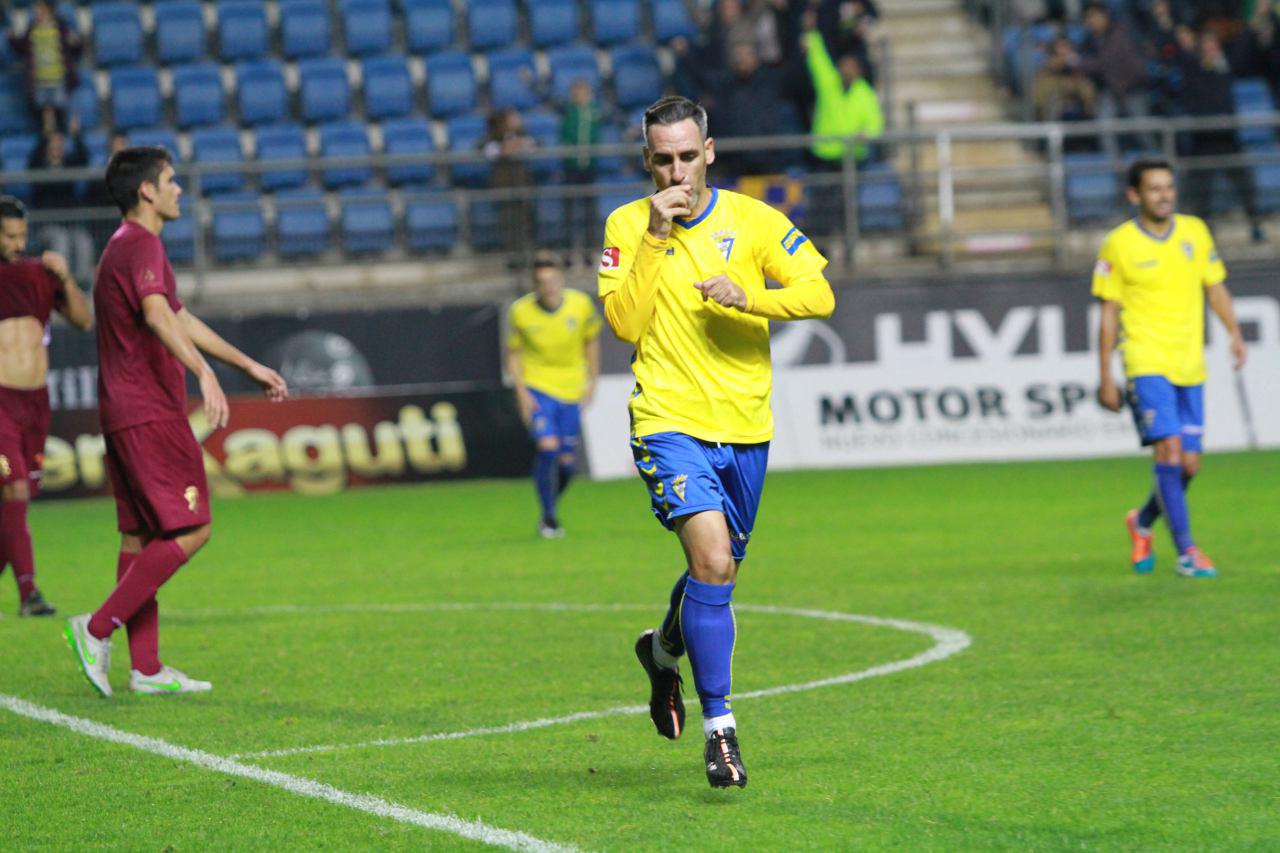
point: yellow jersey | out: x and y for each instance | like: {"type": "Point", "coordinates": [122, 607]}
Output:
{"type": "Point", "coordinates": [1160, 283]}
{"type": "Point", "coordinates": [552, 344]}
{"type": "Point", "coordinates": [702, 369]}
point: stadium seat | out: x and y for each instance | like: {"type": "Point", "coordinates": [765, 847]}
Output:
{"type": "Point", "coordinates": [551, 226]}
{"type": "Point", "coordinates": [324, 91]}
{"type": "Point", "coordinates": [431, 225]}
{"type": "Point", "coordinates": [15, 117]}
{"type": "Point", "coordinates": [637, 80]}
{"type": "Point", "coordinates": [512, 78]}
{"type": "Point", "coordinates": [218, 145]}
{"type": "Point", "coordinates": [179, 31]}
{"type": "Point", "coordinates": [1253, 98]}
{"type": "Point", "coordinates": [198, 99]}
{"type": "Point", "coordinates": [615, 21]}
{"type": "Point", "coordinates": [366, 221]}
{"type": "Point", "coordinates": [15, 153]}
{"type": "Point", "coordinates": [485, 226]}
{"type": "Point", "coordinates": [260, 92]}
{"type": "Point", "coordinates": [1266, 178]}
{"type": "Point", "coordinates": [451, 84]}
{"type": "Point", "coordinates": [544, 126]}
{"type": "Point", "coordinates": [84, 104]}
{"type": "Point", "coordinates": [161, 137]}
{"type": "Point", "coordinates": [179, 238]}
{"type": "Point", "coordinates": [671, 20]}
{"type": "Point", "coordinates": [408, 136]}
{"type": "Point", "coordinates": [117, 34]}
{"type": "Point", "coordinates": [282, 142]}
{"type": "Point", "coordinates": [880, 204]}
{"type": "Point", "coordinates": [491, 23]}
{"type": "Point", "coordinates": [553, 22]}
{"type": "Point", "coordinates": [428, 25]}
{"type": "Point", "coordinates": [345, 139]}
{"type": "Point", "coordinates": [1092, 188]}
{"type": "Point", "coordinates": [570, 63]}
{"type": "Point", "coordinates": [466, 133]}
{"type": "Point", "coordinates": [610, 164]}
{"type": "Point", "coordinates": [388, 90]}
{"type": "Point", "coordinates": [135, 98]}
{"type": "Point", "coordinates": [614, 197]}
{"type": "Point", "coordinates": [304, 28]}
{"type": "Point", "coordinates": [302, 223]}
{"type": "Point", "coordinates": [239, 230]}
{"type": "Point", "coordinates": [242, 30]}
{"type": "Point", "coordinates": [367, 26]}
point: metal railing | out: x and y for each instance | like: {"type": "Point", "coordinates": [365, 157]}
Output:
{"type": "Point", "coordinates": [942, 201]}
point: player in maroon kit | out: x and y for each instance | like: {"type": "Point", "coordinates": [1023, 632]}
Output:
{"type": "Point", "coordinates": [145, 339]}
{"type": "Point", "coordinates": [30, 290]}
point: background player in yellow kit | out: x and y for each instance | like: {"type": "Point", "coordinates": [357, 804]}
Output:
{"type": "Point", "coordinates": [553, 359]}
{"type": "Point", "coordinates": [1154, 274]}
{"type": "Point", "coordinates": [682, 276]}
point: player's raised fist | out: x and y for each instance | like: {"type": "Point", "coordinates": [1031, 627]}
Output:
{"type": "Point", "coordinates": [56, 264]}
{"type": "Point", "coordinates": [722, 291]}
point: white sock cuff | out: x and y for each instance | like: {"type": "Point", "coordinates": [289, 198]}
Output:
{"type": "Point", "coordinates": [724, 721]}
{"type": "Point", "coordinates": [661, 656]}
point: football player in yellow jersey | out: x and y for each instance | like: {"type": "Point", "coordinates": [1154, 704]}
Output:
{"type": "Point", "coordinates": [682, 276]}
{"type": "Point", "coordinates": [553, 359]}
{"type": "Point", "coordinates": [1153, 275]}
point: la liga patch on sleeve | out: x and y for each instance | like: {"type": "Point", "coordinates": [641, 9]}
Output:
{"type": "Point", "coordinates": [609, 258]}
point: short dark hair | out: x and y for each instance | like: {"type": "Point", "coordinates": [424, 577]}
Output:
{"type": "Point", "coordinates": [12, 208]}
{"type": "Point", "coordinates": [674, 109]}
{"type": "Point", "coordinates": [130, 168]}
{"type": "Point", "coordinates": [544, 258]}
{"type": "Point", "coordinates": [1142, 165]}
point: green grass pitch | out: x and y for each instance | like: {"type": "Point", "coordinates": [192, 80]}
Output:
{"type": "Point", "coordinates": [1094, 710]}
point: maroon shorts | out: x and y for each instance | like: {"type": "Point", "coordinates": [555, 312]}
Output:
{"type": "Point", "coordinates": [157, 474]}
{"type": "Point", "coordinates": [24, 426]}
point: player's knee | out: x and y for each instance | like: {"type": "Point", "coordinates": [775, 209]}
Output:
{"type": "Point", "coordinates": [549, 445]}
{"type": "Point", "coordinates": [1169, 451]}
{"type": "Point", "coordinates": [1190, 464]}
{"type": "Point", "coordinates": [713, 566]}
{"type": "Point", "coordinates": [17, 491]}
{"type": "Point", "coordinates": [567, 460]}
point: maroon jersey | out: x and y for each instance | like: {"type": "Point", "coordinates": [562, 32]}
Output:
{"type": "Point", "coordinates": [27, 289]}
{"type": "Point", "coordinates": [139, 380]}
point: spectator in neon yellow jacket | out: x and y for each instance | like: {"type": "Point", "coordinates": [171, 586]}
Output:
{"type": "Point", "coordinates": [844, 102]}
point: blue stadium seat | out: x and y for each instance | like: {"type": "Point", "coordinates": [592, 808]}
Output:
{"type": "Point", "coordinates": [1266, 178]}
{"type": "Point", "coordinates": [431, 225]}
{"type": "Point", "coordinates": [282, 142]}
{"type": "Point", "coordinates": [324, 90]}
{"type": "Point", "coordinates": [553, 22]}
{"type": "Point", "coordinates": [388, 90]}
{"type": "Point", "coordinates": [880, 207]}
{"type": "Point", "coordinates": [408, 136]}
{"type": "Point", "coordinates": [179, 238]}
{"type": "Point", "coordinates": [84, 104]}
{"type": "Point", "coordinates": [486, 227]}
{"type": "Point", "coordinates": [117, 34]}
{"type": "Point", "coordinates": [179, 31]}
{"type": "Point", "coordinates": [366, 221]}
{"type": "Point", "coordinates": [304, 28]}
{"type": "Point", "coordinates": [302, 223]}
{"type": "Point", "coordinates": [95, 144]}
{"type": "Point", "coordinates": [491, 23]}
{"type": "Point", "coordinates": [544, 126]}
{"type": "Point", "coordinates": [428, 25]}
{"type": "Point", "coordinates": [239, 229]}
{"type": "Point", "coordinates": [261, 96]}
{"type": "Point", "coordinates": [198, 98]}
{"type": "Point", "coordinates": [15, 153]}
{"type": "Point", "coordinates": [242, 30]}
{"type": "Point", "coordinates": [345, 139]}
{"type": "Point", "coordinates": [15, 117]}
{"type": "Point", "coordinates": [1253, 98]}
{"type": "Point", "coordinates": [161, 137]}
{"type": "Point", "coordinates": [610, 164]}
{"type": "Point", "coordinates": [569, 63]}
{"type": "Point", "coordinates": [615, 21]}
{"type": "Point", "coordinates": [367, 25]}
{"type": "Point", "coordinates": [451, 84]}
{"type": "Point", "coordinates": [551, 225]}
{"type": "Point", "coordinates": [511, 79]}
{"type": "Point", "coordinates": [135, 98]}
{"type": "Point", "coordinates": [671, 20]}
{"type": "Point", "coordinates": [637, 80]}
{"type": "Point", "coordinates": [218, 145]}
{"type": "Point", "coordinates": [1092, 188]}
{"type": "Point", "coordinates": [466, 132]}
{"type": "Point", "coordinates": [614, 197]}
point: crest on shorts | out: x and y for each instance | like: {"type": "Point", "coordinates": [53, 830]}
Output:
{"type": "Point", "coordinates": [1188, 250]}
{"type": "Point", "coordinates": [5, 468]}
{"type": "Point", "coordinates": [191, 494]}
{"type": "Point", "coordinates": [677, 486]}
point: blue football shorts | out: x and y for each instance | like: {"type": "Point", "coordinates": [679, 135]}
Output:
{"type": "Point", "coordinates": [686, 475]}
{"type": "Point", "coordinates": [553, 418]}
{"type": "Point", "coordinates": [1161, 409]}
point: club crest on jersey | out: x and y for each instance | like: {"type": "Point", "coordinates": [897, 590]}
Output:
{"type": "Point", "coordinates": [724, 239]}
{"type": "Point", "coordinates": [191, 494]}
{"type": "Point", "coordinates": [793, 240]}
{"type": "Point", "coordinates": [678, 484]}
{"type": "Point", "coordinates": [609, 258]}
{"type": "Point", "coordinates": [1188, 250]}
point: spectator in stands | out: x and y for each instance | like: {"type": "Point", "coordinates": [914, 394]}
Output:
{"type": "Point", "coordinates": [1160, 33]}
{"type": "Point", "coordinates": [1062, 91]}
{"type": "Point", "coordinates": [68, 238]}
{"type": "Point", "coordinates": [507, 141]}
{"type": "Point", "coordinates": [750, 100]}
{"type": "Point", "coordinates": [96, 196]}
{"type": "Point", "coordinates": [581, 127]}
{"type": "Point", "coordinates": [1207, 91]}
{"type": "Point", "coordinates": [844, 102]}
{"type": "Point", "coordinates": [851, 27]}
{"type": "Point", "coordinates": [1113, 57]}
{"type": "Point", "coordinates": [1266, 34]}
{"type": "Point", "coordinates": [49, 49]}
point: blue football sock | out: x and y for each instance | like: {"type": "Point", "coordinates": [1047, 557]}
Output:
{"type": "Point", "coordinates": [544, 480]}
{"type": "Point", "coordinates": [1173, 503]}
{"type": "Point", "coordinates": [706, 619]}
{"type": "Point", "coordinates": [669, 636]}
{"type": "Point", "coordinates": [566, 474]}
{"type": "Point", "coordinates": [1150, 512]}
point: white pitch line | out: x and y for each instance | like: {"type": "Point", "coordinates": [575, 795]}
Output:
{"type": "Point", "coordinates": [470, 829]}
{"type": "Point", "coordinates": [947, 642]}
